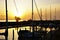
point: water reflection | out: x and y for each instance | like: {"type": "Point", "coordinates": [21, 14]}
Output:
{"type": "Point", "coordinates": [10, 34]}
{"type": "Point", "coordinates": [29, 28]}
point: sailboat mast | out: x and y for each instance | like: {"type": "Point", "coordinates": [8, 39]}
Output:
{"type": "Point", "coordinates": [50, 9]}
{"type": "Point", "coordinates": [50, 12]}
{"type": "Point", "coordinates": [41, 14]}
{"type": "Point", "coordinates": [45, 14]}
{"type": "Point", "coordinates": [55, 13]}
{"type": "Point", "coordinates": [6, 21]}
{"type": "Point", "coordinates": [32, 22]}
{"type": "Point", "coordinates": [32, 9]}
{"type": "Point", "coordinates": [6, 11]}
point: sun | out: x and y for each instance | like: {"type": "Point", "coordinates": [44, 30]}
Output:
{"type": "Point", "coordinates": [18, 13]}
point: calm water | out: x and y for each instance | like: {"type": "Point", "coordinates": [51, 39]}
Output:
{"type": "Point", "coordinates": [10, 31]}
{"type": "Point", "coordinates": [10, 34]}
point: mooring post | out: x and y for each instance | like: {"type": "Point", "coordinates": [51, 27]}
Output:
{"type": "Point", "coordinates": [13, 35]}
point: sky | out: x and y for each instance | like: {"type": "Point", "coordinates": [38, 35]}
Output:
{"type": "Point", "coordinates": [23, 9]}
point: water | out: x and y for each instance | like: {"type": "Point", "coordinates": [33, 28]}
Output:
{"type": "Point", "coordinates": [10, 34]}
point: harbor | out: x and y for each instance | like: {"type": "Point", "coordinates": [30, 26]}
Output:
{"type": "Point", "coordinates": [30, 20]}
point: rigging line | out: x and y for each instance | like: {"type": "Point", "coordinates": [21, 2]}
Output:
{"type": "Point", "coordinates": [15, 6]}
{"type": "Point", "coordinates": [37, 9]}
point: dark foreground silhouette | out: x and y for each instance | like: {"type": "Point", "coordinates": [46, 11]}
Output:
{"type": "Point", "coordinates": [27, 35]}
{"type": "Point", "coordinates": [39, 35]}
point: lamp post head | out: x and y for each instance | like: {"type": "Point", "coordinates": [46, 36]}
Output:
{"type": "Point", "coordinates": [17, 18]}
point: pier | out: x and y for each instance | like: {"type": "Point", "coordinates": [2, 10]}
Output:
{"type": "Point", "coordinates": [41, 23]}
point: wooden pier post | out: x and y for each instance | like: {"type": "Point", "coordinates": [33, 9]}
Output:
{"type": "Point", "coordinates": [13, 35]}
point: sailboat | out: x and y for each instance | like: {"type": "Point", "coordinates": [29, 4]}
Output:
{"type": "Point", "coordinates": [25, 34]}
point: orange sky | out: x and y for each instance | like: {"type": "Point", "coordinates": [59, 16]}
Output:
{"type": "Point", "coordinates": [24, 9]}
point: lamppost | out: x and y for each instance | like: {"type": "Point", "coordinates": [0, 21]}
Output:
{"type": "Point", "coordinates": [17, 20]}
